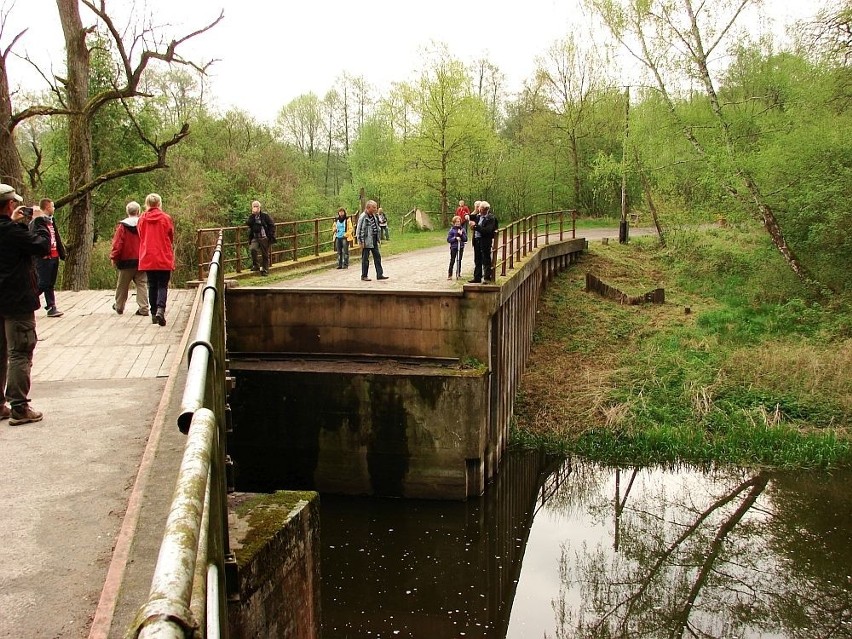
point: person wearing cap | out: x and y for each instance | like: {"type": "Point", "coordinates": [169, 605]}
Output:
{"type": "Point", "coordinates": [47, 267]}
{"type": "Point", "coordinates": [19, 245]}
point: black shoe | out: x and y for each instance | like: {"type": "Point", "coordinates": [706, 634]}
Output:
{"type": "Point", "coordinates": [339, 267]}
{"type": "Point", "coordinates": [474, 281]}
{"type": "Point", "coordinates": [364, 278]}
{"type": "Point", "coordinates": [116, 309]}
{"type": "Point", "coordinates": [382, 277]}
{"type": "Point", "coordinates": [160, 317]}
{"type": "Point", "coordinates": [153, 319]}
{"type": "Point", "coordinates": [255, 268]}
{"type": "Point", "coordinates": [264, 272]}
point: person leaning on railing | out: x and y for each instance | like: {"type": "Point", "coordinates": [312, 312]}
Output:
{"type": "Point", "coordinates": [261, 236]}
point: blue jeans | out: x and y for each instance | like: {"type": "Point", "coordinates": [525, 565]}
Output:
{"type": "Point", "coordinates": [341, 245]}
{"type": "Point", "coordinates": [365, 261]}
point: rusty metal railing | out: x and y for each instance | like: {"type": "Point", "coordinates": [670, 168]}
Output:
{"type": "Point", "coordinates": [196, 569]}
{"type": "Point", "coordinates": [514, 241]}
{"type": "Point", "coordinates": [294, 240]}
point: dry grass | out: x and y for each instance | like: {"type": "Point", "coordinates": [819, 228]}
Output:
{"type": "Point", "coordinates": [796, 368]}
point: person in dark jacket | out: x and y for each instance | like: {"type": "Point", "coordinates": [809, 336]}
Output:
{"type": "Point", "coordinates": [19, 246]}
{"type": "Point", "coordinates": [484, 226]}
{"type": "Point", "coordinates": [47, 267]}
{"type": "Point", "coordinates": [125, 257]}
{"type": "Point", "coordinates": [261, 236]}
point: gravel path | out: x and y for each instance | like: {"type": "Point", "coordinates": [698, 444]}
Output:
{"type": "Point", "coordinates": [423, 270]}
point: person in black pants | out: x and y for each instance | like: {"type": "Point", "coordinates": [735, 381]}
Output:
{"type": "Point", "coordinates": [484, 226]}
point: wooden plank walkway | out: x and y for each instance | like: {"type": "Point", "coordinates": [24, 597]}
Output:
{"type": "Point", "coordinates": [91, 341]}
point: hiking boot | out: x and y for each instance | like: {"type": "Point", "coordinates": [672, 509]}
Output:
{"type": "Point", "coordinates": [160, 317]}
{"type": "Point", "coordinates": [143, 312]}
{"type": "Point", "coordinates": [5, 411]}
{"type": "Point", "coordinates": [114, 307]}
{"type": "Point", "coordinates": [54, 312]}
{"type": "Point", "coordinates": [24, 415]}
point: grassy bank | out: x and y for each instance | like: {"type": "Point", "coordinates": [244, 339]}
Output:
{"type": "Point", "coordinates": [758, 372]}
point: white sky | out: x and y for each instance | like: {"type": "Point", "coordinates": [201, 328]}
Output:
{"type": "Point", "coordinates": [271, 52]}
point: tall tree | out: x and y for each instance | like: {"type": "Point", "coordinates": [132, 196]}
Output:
{"type": "Point", "coordinates": [572, 79]}
{"type": "Point", "coordinates": [649, 29]}
{"type": "Point", "coordinates": [80, 104]}
{"type": "Point", "coordinates": [301, 123]}
{"type": "Point", "coordinates": [452, 122]}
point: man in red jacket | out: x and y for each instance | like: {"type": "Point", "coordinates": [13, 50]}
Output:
{"type": "Point", "coordinates": [156, 254]}
{"type": "Point", "coordinates": [125, 257]}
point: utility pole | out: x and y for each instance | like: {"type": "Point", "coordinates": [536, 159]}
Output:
{"type": "Point", "coordinates": [623, 227]}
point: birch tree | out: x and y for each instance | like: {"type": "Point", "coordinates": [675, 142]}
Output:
{"type": "Point", "coordinates": [679, 41]}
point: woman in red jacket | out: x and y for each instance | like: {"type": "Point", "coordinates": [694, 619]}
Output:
{"type": "Point", "coordinates": [156, 254]}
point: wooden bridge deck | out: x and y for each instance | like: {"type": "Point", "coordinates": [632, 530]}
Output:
{"type": "Point", "coordinates": [92, 342]}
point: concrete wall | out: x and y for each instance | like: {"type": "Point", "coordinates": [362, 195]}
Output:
{"type": "Point", "coordinates": [382, 392]}
{"type": "Point", "coordinates": [276, 540]}
{"type": "Point", "coordinates": [374, 431]}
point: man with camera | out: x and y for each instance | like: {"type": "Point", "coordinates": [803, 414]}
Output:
{"type": "Point", "coordinates": [19, 298]}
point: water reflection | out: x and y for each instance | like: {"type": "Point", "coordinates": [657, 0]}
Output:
{"type": "Point", "coordinates": [571, 549]}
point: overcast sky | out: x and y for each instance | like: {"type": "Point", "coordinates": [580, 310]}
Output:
{"type": "Point", "coordinates": [270, 52]}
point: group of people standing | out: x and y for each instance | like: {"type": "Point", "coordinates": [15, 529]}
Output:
{"type": "Point", "coordinates": [371, 228]}
{"type": "Point", "coordinates": [30, 251]}
{"type": "Point", "coordinates": [483, 225]}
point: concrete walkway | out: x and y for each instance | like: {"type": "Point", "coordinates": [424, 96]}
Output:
{"type": "Point", "coordinates": [99, 378]}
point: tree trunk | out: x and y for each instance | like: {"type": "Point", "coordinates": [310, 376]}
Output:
{"type": "Point", "coordinates": [10, 163]}
{"type": "Point", "coordinates": [80, 217]}
{"type": "Point", "coordinates": [575, 165]}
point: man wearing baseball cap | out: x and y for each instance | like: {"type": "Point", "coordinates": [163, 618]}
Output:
{"type": "Point", "coordinates": [18, 302]}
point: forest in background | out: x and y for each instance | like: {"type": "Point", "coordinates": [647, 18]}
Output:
{"type": "Point", "coordinates": [721, 125]}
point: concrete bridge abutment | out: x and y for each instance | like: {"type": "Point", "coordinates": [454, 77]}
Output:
{"type": "Point", "coordinates": [381, 392]}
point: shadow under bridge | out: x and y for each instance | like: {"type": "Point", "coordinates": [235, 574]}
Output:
{"type": "Point", "coordinates": [404, 393]}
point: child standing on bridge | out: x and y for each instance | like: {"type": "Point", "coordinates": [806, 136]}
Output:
{"type": "Point", "coordinates": [457, 238]}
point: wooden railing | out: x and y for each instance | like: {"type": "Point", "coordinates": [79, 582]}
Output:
{"type": "Point", "coordinates": [514, 241]}
{"type": "Point", "coordinates": [293, 241]}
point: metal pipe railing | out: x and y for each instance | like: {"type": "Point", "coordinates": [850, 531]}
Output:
{"type": "Point", "coordinates": [191, 580]}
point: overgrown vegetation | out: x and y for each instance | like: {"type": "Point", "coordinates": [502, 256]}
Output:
{"type": "Point", "coordinates": [761, 134]}
{"type": "Point", "coordinates": [756, 373]}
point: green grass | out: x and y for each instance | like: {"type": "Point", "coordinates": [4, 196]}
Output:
{"type": "Point", "coordinates": [756, 374]}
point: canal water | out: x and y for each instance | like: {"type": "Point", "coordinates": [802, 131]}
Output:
{"type": "Point", "coordinates": [561, 548]}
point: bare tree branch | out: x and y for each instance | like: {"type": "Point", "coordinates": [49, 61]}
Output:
{"type": "Point", "coordinates": [159, 163]}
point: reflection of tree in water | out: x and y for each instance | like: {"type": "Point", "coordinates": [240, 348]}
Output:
{"type": "Point", "coordinates": [706, 558]}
